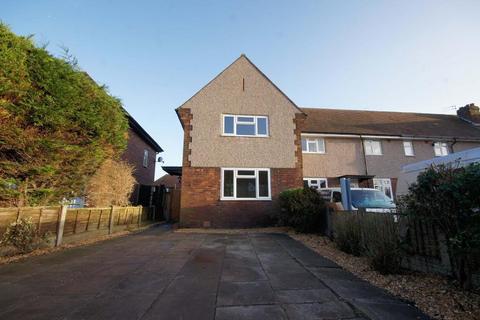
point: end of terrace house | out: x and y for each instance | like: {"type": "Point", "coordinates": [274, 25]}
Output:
{"type": "Point", "coordinates": [245, 141]}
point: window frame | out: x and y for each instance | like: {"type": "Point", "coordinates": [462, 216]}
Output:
{"type": "Point", "coordinates": [441, 146]}
{"type": "Point", "coordinates": [380, 185]}
{"type": "Point", "coordinates": [369, 141]}
{"type": "Point", "coordinates": [145, 158]}
{"type": "Point", "coordinates": [317, 142]}
{"type": "Point", "coordinates": [411, 147]}
{"type": "Point", "coordinates": [256, 176]}
{"type": "Point", "coordinates": [318, 179]}
{"type": "Point", "coordinates": [255, 124]}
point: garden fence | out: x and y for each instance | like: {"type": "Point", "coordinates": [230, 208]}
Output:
{"type": "Point", "coordinates": [60, 221]}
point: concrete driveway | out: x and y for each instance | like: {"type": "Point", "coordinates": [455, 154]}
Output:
{"type": "Point", "coordinates": [158, 274]}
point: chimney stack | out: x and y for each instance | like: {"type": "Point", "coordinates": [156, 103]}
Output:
{"type": "Point", "coordinates": [470, 113]}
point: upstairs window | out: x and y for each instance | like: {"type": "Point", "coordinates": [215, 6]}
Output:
{"type": "Point", "coordinates": [245, 126]}
{"type": "Point", "coordinates": [373, 147]}
{"type": "Point", "coordinates": [245, 184]}
{"type": "Point", "coordinates": [408, 148]}
{"type": "Point", "coordinates": [440, 149]}
{"type": "Point", "coordinates": [145, 158]}
{"type": "Point", "coordinates": [313, 145]}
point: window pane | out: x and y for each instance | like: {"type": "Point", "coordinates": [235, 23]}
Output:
{"type": "Point", "coordinates": [246, 129]}
{"type": "Point", "coordinates": [262, 126]}
{"type": "Point", "coordinates": [263, 183]}
{"type": "Point", "coordinates": [312, 146]}
{"type": "Point", "coordinates": [246, 188]}
{"type": "Point", "coordinates": [321, 145]}
{"type": "Point", "coordinates": [323, 183]}
{"type": "Point", "coordinates": [228, 124]}
{"type": "Point", "coordinates": [304, 144]}
{"type": "Point", "coordinates": [245, 119]}
{"type": "Point", "coordinates": [376, 147]}
{"type": "Point", "coordinates": [408, 148]}
{"type": "Point", "coordinates": [245, 172]}
{"type": "Point", "coordinates": [305, 183]}
{"type": "Point", "coordinates": [228, 183]}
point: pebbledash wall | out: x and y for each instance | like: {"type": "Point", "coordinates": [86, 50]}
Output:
{"type": "Point", "coordinates": [345, 156]}
{"type": "Point", "coordinates": [240, 89]}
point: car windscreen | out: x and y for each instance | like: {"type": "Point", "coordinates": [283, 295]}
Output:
{"type": "Point", "coordinates": [371, 199]}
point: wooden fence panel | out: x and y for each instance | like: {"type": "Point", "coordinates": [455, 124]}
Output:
{"type": "Point", "coordinates": [76, 221]}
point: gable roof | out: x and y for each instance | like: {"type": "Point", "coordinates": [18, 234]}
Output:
{"type": "Point", "coordinates": [359, 122]}
{"type": "Point", "coordinates": [242, 56]}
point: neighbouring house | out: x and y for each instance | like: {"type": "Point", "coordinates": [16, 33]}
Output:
{"type": "Point", "coordinates": [141, 153]}
{"type": "Point", "coordinates": [245, 141]}
{"type": "Point", "coordinates": [168, 181]}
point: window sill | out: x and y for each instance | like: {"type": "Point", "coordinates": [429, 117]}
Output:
{"type": "Point", "coordinates": [309, 152]}
{"type": "Point", "coordinates": [245, 199]}
{"type": "Point", "coordinates": [243, 136]}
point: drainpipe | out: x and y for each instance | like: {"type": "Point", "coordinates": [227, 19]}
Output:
{"type": "Point", "coordinates": [452, 144]}
{"type": "Point", "coordinates": [364, 159]}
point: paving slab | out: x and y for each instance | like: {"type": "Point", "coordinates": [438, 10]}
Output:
{"type": "Point", "coordinates": [245, 293]}
{"type": "Point", "coordinates": [327, 310]}
{"type": "Point", "coordinates": [269, 312]}
{"type": "Point", "coordinates": [158, 274]}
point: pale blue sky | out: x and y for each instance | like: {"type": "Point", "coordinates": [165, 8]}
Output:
{"type": "Point", "coordinates": [418, 56]}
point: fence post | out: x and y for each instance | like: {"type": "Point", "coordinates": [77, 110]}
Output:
{"type": "Point", "coordinates": [140, 211]}
{"type": "Point", "coordinates": [110, 221]}
{"type": "Point", "coordinates": [61, 224]}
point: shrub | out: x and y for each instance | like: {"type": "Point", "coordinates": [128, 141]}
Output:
{"type": "Point", "coordinates": [382, 242]}
{"type": "Point", "coordinates": [373, 235]}
{"type": "Point", "coordinates": [449, 198]}
{"type": "Point", "coordinates": [111, 185]}
{"type": "Point", "coordinates": [303, 209]}
{"type": "Point", "coordinates": [22, 235]}
{"type": "Point", "coordinates": [56, 124]}
{"type": "Point", "coordinates": [348, 233]}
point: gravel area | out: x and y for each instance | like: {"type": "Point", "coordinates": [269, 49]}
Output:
{"type": "Point", "coordinates": [435, 295]}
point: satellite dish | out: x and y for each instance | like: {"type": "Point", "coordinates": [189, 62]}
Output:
{"type": "Point", "coordinates": [160, 159]}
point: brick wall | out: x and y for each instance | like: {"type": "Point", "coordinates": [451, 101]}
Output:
{"type": "Point", "coordinates": [201, 205]}
{"type": "Point", "coordinates": [134, 156]}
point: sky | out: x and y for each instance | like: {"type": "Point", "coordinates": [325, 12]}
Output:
{"type": "Point", "coordinates": [418, 56]}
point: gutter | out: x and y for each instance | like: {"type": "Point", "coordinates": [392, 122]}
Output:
{"type": "Point", "coordinates": [361, 136]}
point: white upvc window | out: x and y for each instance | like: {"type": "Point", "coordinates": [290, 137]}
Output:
{"type": "Point", "coordinates": [145, 158]}
{"type": "Point", "coordinates": [384, 185]}
{"type": "Point", "coordinates": [244, 126]}
{"type": "Point", "coordinates": [373, 147]}
{"type": "Point", "coordinates": [408, 148]}
{"type": "Point", "coordinates": [440, 149]}
{"type": "Point", "coordinates": [315, 183]}
{"type": "Point", "coordinates": [245, 184]}
{"type": "Point", "coordinates": [313, 145]}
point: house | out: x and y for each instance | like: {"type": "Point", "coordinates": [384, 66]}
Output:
{"type": "Point", "coordinates": [169, 181]}
{"type": "Point", "coordinates": [141, 153]}
{"type": "Point", "coordinates": [245, 142]}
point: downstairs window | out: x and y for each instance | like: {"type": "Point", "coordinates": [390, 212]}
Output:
{"type": "Point", "coordinates": [245, 184]}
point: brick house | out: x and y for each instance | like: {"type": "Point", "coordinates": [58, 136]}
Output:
{"type": "Point", "coordinates": [245, 141]}
{"type": "Point", "coordinates": [141, 153]}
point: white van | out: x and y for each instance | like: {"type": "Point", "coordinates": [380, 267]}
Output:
{"type": "Point", "coordinates": [372, 200]}
{"type": "Point", "coordinates": [411, 171]}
